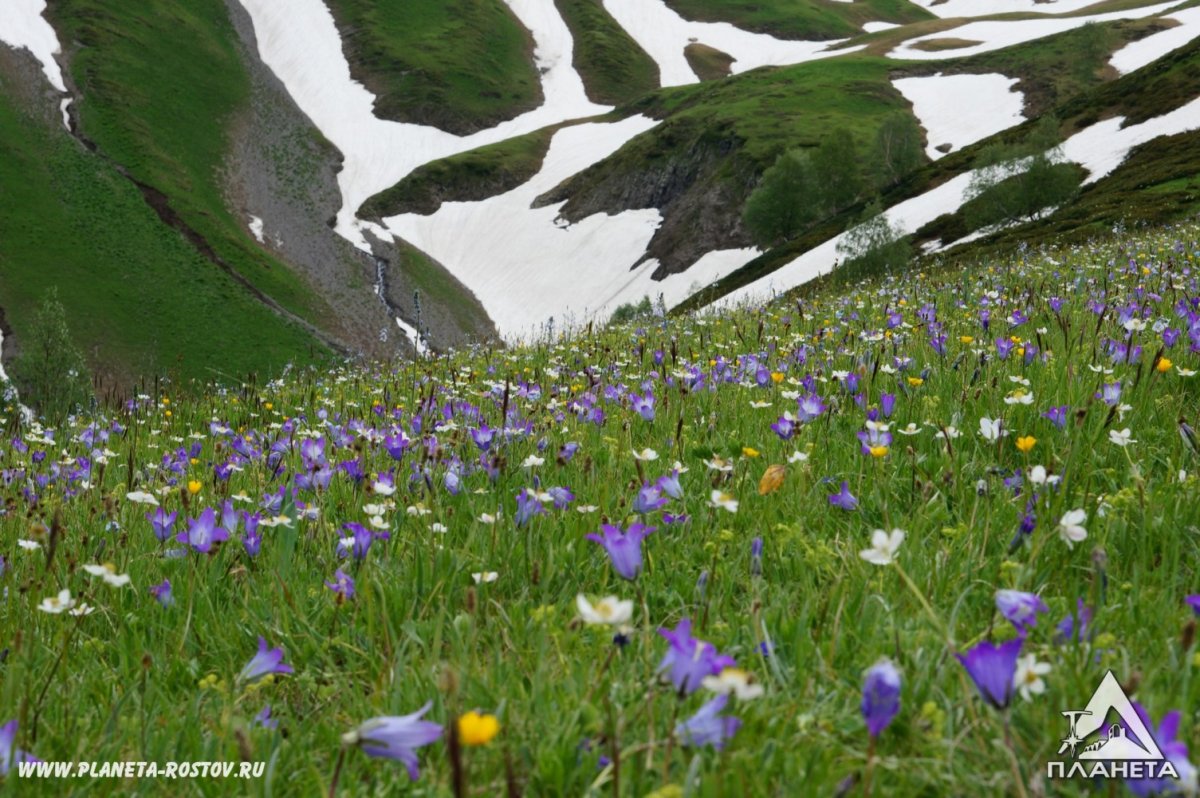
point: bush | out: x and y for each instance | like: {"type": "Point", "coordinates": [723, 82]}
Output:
{"type": "Point", "coordinates": [873, 246]}
{"type": "Point", "coordinates": [630, 312]}
{"type": "Point", "coordinates": [1017, 182]}
{"type": "Point", "coordinates": [50, 370]}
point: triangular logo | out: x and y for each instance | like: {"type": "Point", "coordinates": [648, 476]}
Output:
{"type": "Point", "coordinates": [1127, 739]}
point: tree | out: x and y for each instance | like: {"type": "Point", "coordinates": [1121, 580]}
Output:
{"type": "Point", "coordinates": [1017, 182]}
{"type": "Point", "coordinates": [874, 245]}
{"type": "Point", "coordinates": [784, 202]}
{"type": "Point", "coordinates": [50, 371]}
{"type": "Point", "coordinates": [898, 149]}
{"type": "Point", "coordinates": [837, 168]}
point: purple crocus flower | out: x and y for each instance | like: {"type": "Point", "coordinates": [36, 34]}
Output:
{"type": "Point", "coordinates": [881, 696]}
{"type": "Point", "coordinates": [161, 522]}
{"type": "Point", "coordinates": [9, 753]}
{"type": "Point", "coordinates": [1020, 608]}
{"type": "Point", "coordinates": [342, 585]}
{"type": "Point", "coordinates": [1074, 627]}
{"type": "Point", "coordinates": [264, 719]}
{"type": "Point", "coordinates": [1110, 393]}
{"type": "Point", "coordinates": [162, 593]}
{"type": "Point", "coordinates": [562, 497]}
{"type": "Point", "coordinates": [844, 498]}
{"type": "Point", "coordinates": [483, 437]}
{"type": "Point", "coordinates": [1004, 347]}
{"type": "Point", "coordinates": [396, 737]}
{"type": "Point", "coordinates": [643, 405]}
{"type": "Point", "coordinates": [689, 660]}
{"type": "Point", "coordinates": [202, 532]}
{"type": "Point", "coordinates": [670, 485]}
{"type": "Point", "coordinates": [708, 726]}
{"type": "Point", "coordinates": [527, 507]}
{"type": "Point", "coordinates": [810, 408]}
{"type": "Point", "coordinates": [648, 499]}
{"type": "Point", "coordinates": [360, 540]}
{"type": "Point", "coordinates": [1057, 416]}
{"type": "Point", "coordinates": [251, 538]}
{"type": "Point", "coordinates": [785, 428]}
{"type": "Point", "coordinates": [1193, 601]}
{"type": "Point", "coordinates": [267, 660]}
{"type": "Point", "coordinates": [991, 667]}
{"type": "Point", "coordinates": [887, 404]}
{"type": "Point", "coordinates": [624, 547]}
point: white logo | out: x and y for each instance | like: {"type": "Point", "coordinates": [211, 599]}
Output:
{"type": "Point", "coordinates": [1125, 749]}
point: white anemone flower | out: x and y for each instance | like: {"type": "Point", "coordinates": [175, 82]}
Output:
{"type": "Point", "coordinates": [884, 546]}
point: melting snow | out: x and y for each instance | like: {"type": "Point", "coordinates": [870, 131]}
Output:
{"type": "Point", "coordinates": [1136, 55]}
{"type": "Point", "coordinates": [875, 27]}
{"type": "Point", "coordinates": [22, 25]}
{"type": "Point", "coordinates": [527, 266]}
{"type": "Point", "coordinates": [985, 8]}
{"type": "Point", "coordinates": [256, 227]}
{"type": "Point", "coordinates": [1100, 149]}
{"type": "Point", "coordinates": [997, 34]}
{"type": "Point", "coordinates": [962, 109]}
{"type": "Point", "coordinates": [663, 34]}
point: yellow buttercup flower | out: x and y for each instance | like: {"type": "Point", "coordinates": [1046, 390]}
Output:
{"type": "Point", "coordinates": [776, 377]}
{"type": "Point", "coordinates": [966, 339]}
{"type": "Point", "coordinates": [1164, 365]}
{"type": "Point", "coordinates": [1026, 443]}
{"type": "Point", "coordinates": [476, 729]}
{"type": "Point", "coordinates": [748, 452]}
{"type": "Point", "coordinates": [194, 486]}
{"type": "Point", "coordinates": [916, 382]}
{"type": "Point", "coordinates": [879, 451]}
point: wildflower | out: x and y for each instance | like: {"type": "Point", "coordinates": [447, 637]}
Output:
{"type": "Point", "coordinates": [884, 546]}
{"type": "Point", "coordinates": [748, 451]}
{"type": "Point", "coordinates": [1164, 365]}
{"type": "Point", "coordinates": [162, 593]}
{"type": "Point", "coordinates": [708, 726]}
{"type": "Point", "coordinates": [645, 455]}
{"type": "Point", "coordinates": [1019, 397]}
{"type": "Point", "coordinates": [733, 680]}
{"type": "Point", "coordinates": [881, 696]}
{"type": "Point", "coordinates": [648, 499]}
{"type": "Point", "coordinates": [395, 737]}
{"type": "Point", "coordinates": [57, 604]}
{"type": "Point", "coordinates": [723, 501]}
{"type": "Point", "coordinates": [1070, 527]}
{"type": "Point", "coordinates": [689, 660]}
{"type": "Point", "coordinates": [798, 457]}
{"type": "Point", "coordinates": [611, 610]}
{"type": "Point", "coordinates": [202, 532]}
{"type": "Point", "coordinates": [266, 661]}
{"type": "Point", "coordinates": [1028, 676]}
{"type": "Point", "coordinates": [532, 461]}
{"type": "Point", "coordinates": [1176, 752]}
{"type": "Point", "coordinates": [624, 548]}
{"type": "Point", "coordinates": [9, 753]}
{"type": "Point", "coordinates": [194, 486]}
{"type": "Point", "coordinates": [992, 668]}
{"type": "Point", "coordinates": [108, 572]}
{"type": "Point", "coordinates": [162, 522]}
{"type": "Point", "coordinates": [1057, 416]}
{"type": "Point", "coordinates": [844, 499]}
{"type": "Point", "coordinates": [1193, 601]}
{"type": "Point", "coordinates": [1074, 627]}
{"type": "Point", "coordinates": [1110, 393]}
{"type": "Point", "coordinates": [484, 577]}
{"type": "Point", "coordinates": [141, 497]}
{"type": "Point", "coordinates": [264, 719]}
{"type": "Point", "coordinates": [810, 407]}
{"type": "Point", "coordinates": [989, 428]}
{"type": "Point", "coordinates": [527, 507]}
{"type": "Point", "coordinates": [477, 729]}
{"type": "Point", "coordinates": [1121, 437]}
{"type": "Point", "coordinates": [1025, 444]}
{"type": "Point", "coordinates": [342, 585]}
{"type": "Point", "coordinates": [1020, 608]}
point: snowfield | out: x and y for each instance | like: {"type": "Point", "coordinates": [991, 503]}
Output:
{"type": "Point", "coordinates": [998, 34]}
{"type": "Point", "coordinates": [663, 34]}
{"type": "Point", "coordinates": [1136, 55]}
{"type": "Point", "coordinates": [23, 26]}
{"type": "Point", "coordinates": [527, 266]}
{"type": "Point", "coordinates": [939, 102]}
{"type": "Point", "coordinates": [1100, 149]}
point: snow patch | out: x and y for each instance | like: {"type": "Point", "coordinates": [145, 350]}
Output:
{"type": "Point", "coordinates": [527, 265]}
{"type": "Point", "coordinates": [23, 26]}
{"type": "Point", "coordinates": [256, 227]}
{"type": "Point", "coordinates": [962, 109]}
{"type": "Point", "coordinates": [997, 34]}
{"type": "Point", "coordinates": [299, 41]}
{"type": "Point", "coordinates": [876, 27]}
{"type": "Point", "coordinates": [66, 115]}
{"type": "Point", "coordinates": [663, 34]}
{"type": "Point", "coordinates": [1099, 148]}
{"type": "Point", "coordinates": [986, 8]}
{"type": "Point", "coordinates": [1136, 55]}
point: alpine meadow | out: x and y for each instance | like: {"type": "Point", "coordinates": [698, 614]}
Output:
{"type": "Point", "coordinates": [645, 398]}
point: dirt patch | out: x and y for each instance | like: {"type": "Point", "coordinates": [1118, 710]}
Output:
{"type": "Point", "coordinates": [708, 63]}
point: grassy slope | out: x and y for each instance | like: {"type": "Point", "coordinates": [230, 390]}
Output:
{"type": "Point", "coordinates": [1149, 92]}
{"type": "Point", "coordinates": [159, 83]}
{"type": "Point", "coordinates": [460, 65]}
{"type": "Point", "coordinates": [475, 174]}
{"type": "Point", "coordinates": [144, 682]}
{"type": "Point", "coordinates": [141, 300]}
{"type": "Point", "coordinates": [614, 69]}
{"type": "Point", "coordinates": [801, 19]}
